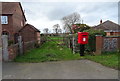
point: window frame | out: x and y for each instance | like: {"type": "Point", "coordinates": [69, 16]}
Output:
{"type": "Point", "coordinates": [4, 19]}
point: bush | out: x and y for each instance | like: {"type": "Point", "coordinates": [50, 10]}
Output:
{"type": "Point", "coordinates": [10, 42]}
{"type": "Point", "coordinates": [80, 27]}
{"type": "Point", "coordinates": [37, 45]}
{"type": "Point", "coordinates": [91, 46]}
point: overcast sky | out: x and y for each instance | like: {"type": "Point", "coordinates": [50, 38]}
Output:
{"type": "Point", "coordinates": [46, 14]}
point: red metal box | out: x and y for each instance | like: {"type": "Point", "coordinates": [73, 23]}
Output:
{"type": "Point", "coordinates": [83, 37]}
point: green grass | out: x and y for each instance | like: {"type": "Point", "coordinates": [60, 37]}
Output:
{"type": "Point", "coordinates": [106, 59]}
{"type": "Point", "coordinates": [55, 38]}
{"type": "Point", "coordinates": [49, 51]}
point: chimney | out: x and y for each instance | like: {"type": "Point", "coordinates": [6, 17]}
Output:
{"type": "Point", "coordinates": [101, 21]}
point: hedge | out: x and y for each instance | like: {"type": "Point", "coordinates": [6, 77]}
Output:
{"type": "Point", "coordinates": [91, 46]}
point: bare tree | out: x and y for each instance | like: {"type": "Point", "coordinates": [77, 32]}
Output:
{"type": "Point", "coordinates": [57, 29]}
{"type": "Point", "coordinates": [46, 30]}
{"type": "Point", "coordinates": [69, 20]}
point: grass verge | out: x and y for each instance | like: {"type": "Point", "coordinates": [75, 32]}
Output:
{"type": "Point", "coordinates": [107, 59]}
{"type": "Point", "coordinates": [49, 51]}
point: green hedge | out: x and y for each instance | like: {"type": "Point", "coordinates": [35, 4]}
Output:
{"type": "Point", "coordinates": [91, 46]}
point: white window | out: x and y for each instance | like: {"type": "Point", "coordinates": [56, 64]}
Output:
{"type": "Point", "coordinates": [4, 19]}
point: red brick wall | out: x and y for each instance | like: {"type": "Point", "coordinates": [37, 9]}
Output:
{"type": "Point", "coordinates": [0, 36]}
{"type": "Point", "coordinates": [13, 51]}
{"type": "Point", "coordinates": [38, 37]}
{"type": "Point", "coordinates": [17, 19]}
{"type": "Point", "coordinates": [112, 33]}
{"type": "Point", "coordinates": [9, 27]}
{"type": "Point", "coordinates": [28, 34]}
{"type": "Point", "coordinates": [107, 44]}
{"type": "Point", "coordinates": [14, 22]}
{"type": "Point", "coordinates": [99, 44]}
{"type": "Point", "coordinates": [0, 24]}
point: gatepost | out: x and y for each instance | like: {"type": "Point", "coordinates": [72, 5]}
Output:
{"type": "Point", "coordinates": [20, 45]}
{"type": "Point", "coordinates": [5, 53]}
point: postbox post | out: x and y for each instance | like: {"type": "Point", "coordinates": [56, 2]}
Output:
{"type": "Point", "coordinates": [82, 48]}
{"type": "Point", "coordinates": [82, 40]}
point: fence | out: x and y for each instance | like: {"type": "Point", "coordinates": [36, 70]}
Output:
{"type": "Point", "coordinates": [28, 45]}
{"type": "Point", "coordinates": [10, 52]}
{"type": "Point", "coordinates": [71, 42]}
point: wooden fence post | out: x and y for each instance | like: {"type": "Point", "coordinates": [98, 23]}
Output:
{"type": "Point", "coordinates": [73, 45]}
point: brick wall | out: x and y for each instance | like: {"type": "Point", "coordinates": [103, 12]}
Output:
{"type": "Point", "coordinates": [0, 24]}
{"type": "Point", "coordinates": [111, 43]}
{"type": "Point", "coordinates": [18, 19]}
{"type": "Point", "coordinates": [9, 27]}
{"type": "Point", "coordinates": [99, 44]}
{"type": "Point", "coordinates": [0, 35]}
{"type": "Point", "coordinates": [38, 37]}
{"type": "Point", "coordinates": [28, 34]}
{"type": "Point", "coordinates": [13, 51]}
{"type": "Point", "coordinates": [107, 44]}
{"type": "Point", "coordinates": [112, 33]}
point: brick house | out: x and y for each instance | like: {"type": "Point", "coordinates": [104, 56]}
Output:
{"type": "Point", "coordinates": [30, 33]}
{"type": "Point", "coordinates": [0, 35]}
{"type": "Point", "coordinates": [111, 28]}
{"type": "Point", "coordinates": [12, 19]}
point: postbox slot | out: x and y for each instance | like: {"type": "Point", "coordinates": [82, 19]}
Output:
{"type": "Point", "coordinates": [84, 35]}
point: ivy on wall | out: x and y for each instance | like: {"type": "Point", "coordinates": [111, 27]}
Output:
{"type": "Point", "coordinates": [91, 46]}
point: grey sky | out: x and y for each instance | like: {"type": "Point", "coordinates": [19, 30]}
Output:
{"type": "Point", "coordinates": [46, 14]}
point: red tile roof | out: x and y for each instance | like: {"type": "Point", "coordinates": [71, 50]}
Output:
{"type": "Point", "coordinates": [108, 25]}
{"type": "Point", "coordinates": [29, 25]}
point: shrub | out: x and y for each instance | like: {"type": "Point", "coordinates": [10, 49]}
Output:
{"type": "Point", "coordinates": [10, 42]}
{"type": "Point", "coordinates": [43, 39]}
{"type": "Point", "coordinates": [80, 27]}
{"type": "Point", "coordinates": [91, 46]}
{"type": "Point", "coordinates": [37, 45]}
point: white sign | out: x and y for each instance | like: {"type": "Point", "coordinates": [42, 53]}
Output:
{"type": "Point", "coordinates": [84, 39]}
{"type": "Point", "coordinates": [4, 19]}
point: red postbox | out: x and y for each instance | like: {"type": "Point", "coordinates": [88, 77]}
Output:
{"type": "Point", "coordinates": [82, 37]}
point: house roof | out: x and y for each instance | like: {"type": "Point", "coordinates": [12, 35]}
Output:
{"type": "Point", "coordinates": [10, 8]}
{"type": "Point", "coordinates": [108, 26]}
{"type": "Point", "coordinates": [29, 25]}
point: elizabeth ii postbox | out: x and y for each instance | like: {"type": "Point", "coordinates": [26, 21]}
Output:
{"type": "Point", "coordinates": [82, 37]}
